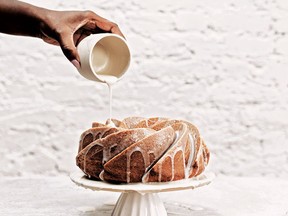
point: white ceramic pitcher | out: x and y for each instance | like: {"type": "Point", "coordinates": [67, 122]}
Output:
{"type": "Point", "coordinates": [103, 55]}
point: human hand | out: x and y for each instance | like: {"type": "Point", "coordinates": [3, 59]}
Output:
{"type": "Point", "coordinates": [68, 28]}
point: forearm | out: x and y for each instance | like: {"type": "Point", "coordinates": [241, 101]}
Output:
{"type": "Point", "coordinates": [63, 28]}
{"type": "Point", "coordinates": [21, 18]}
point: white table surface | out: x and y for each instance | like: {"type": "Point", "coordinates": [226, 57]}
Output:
{"type": "Point", "coordinates": [226, 196]}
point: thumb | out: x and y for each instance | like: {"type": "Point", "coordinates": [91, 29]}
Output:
{"type": "Point", "coordinates": [69, 49]}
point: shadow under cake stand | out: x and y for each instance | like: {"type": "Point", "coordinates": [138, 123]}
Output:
{"type": "Point", "coordinates": [139, 198]}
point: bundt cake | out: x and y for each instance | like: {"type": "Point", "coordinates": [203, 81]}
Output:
{"type": "Point", "coordinates": [142, 150]}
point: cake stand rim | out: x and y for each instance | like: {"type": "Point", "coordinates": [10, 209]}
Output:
{"type": "Point", "coordinates": [78, 177]}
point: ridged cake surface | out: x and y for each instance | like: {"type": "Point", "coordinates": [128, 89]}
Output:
{"type": "Point", "coordinates": [142, 150]}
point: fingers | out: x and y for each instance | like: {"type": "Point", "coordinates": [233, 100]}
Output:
{"type": "Point", "coordinates": [95, 22]}
{"type": "Point", "coordinates": [72, 27]}
{"type": "Point", "coordinates": [110, 27]}
{"type": "Point", "coordinates": [79, 35]}
{"type": "Point", "coordinates": [116, 30]}
{"type": "Point", "coordinates": [68, 48]}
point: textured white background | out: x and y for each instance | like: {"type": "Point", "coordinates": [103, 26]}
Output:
{"type": "Point", "coordinates": [222, 65]}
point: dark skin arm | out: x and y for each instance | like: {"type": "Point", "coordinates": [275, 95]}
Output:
{"type": "Point", "coordinates": [63, 28]}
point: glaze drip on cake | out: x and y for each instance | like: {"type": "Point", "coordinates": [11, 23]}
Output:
{"type": "Point", "coordinates": [142, 150]}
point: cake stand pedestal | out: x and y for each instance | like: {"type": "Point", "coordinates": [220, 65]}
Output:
{"type": "Point", "coordinates": [138, 198]}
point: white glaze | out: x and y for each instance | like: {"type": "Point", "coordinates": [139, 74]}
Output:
{"type": "Point", "coordinates": [191, 156]}
{"type": "Point", "coordinates": [110, 81]}
{"type": "Point", "coordinates": [182, 137]}
{"type": "Point", "coordinates": [160, 140]}
{"type": "Point", "coordinates": [91, 146]}
{"type": "Point", "coordinates": [85, 156]}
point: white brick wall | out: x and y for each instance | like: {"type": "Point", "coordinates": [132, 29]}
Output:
{"type": "Point", "coordinates": [223, 65]}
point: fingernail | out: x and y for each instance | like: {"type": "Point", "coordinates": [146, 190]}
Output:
{"type": "Point", "coordinates": [76, 63]}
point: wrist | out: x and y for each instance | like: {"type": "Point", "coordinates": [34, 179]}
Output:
{"type": "Point", "coordinates": [39, 17]}
{"type": "Point", "coordinates": [24, 19]}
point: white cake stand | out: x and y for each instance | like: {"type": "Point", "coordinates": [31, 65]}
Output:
{"type": "Point", "coordinates": [138, 198]}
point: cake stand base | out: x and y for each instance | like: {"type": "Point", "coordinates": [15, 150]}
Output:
{"type": "Point", "coordinates": [134, 203]}
{"type": "Point", "coordinates": [138, 198]}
